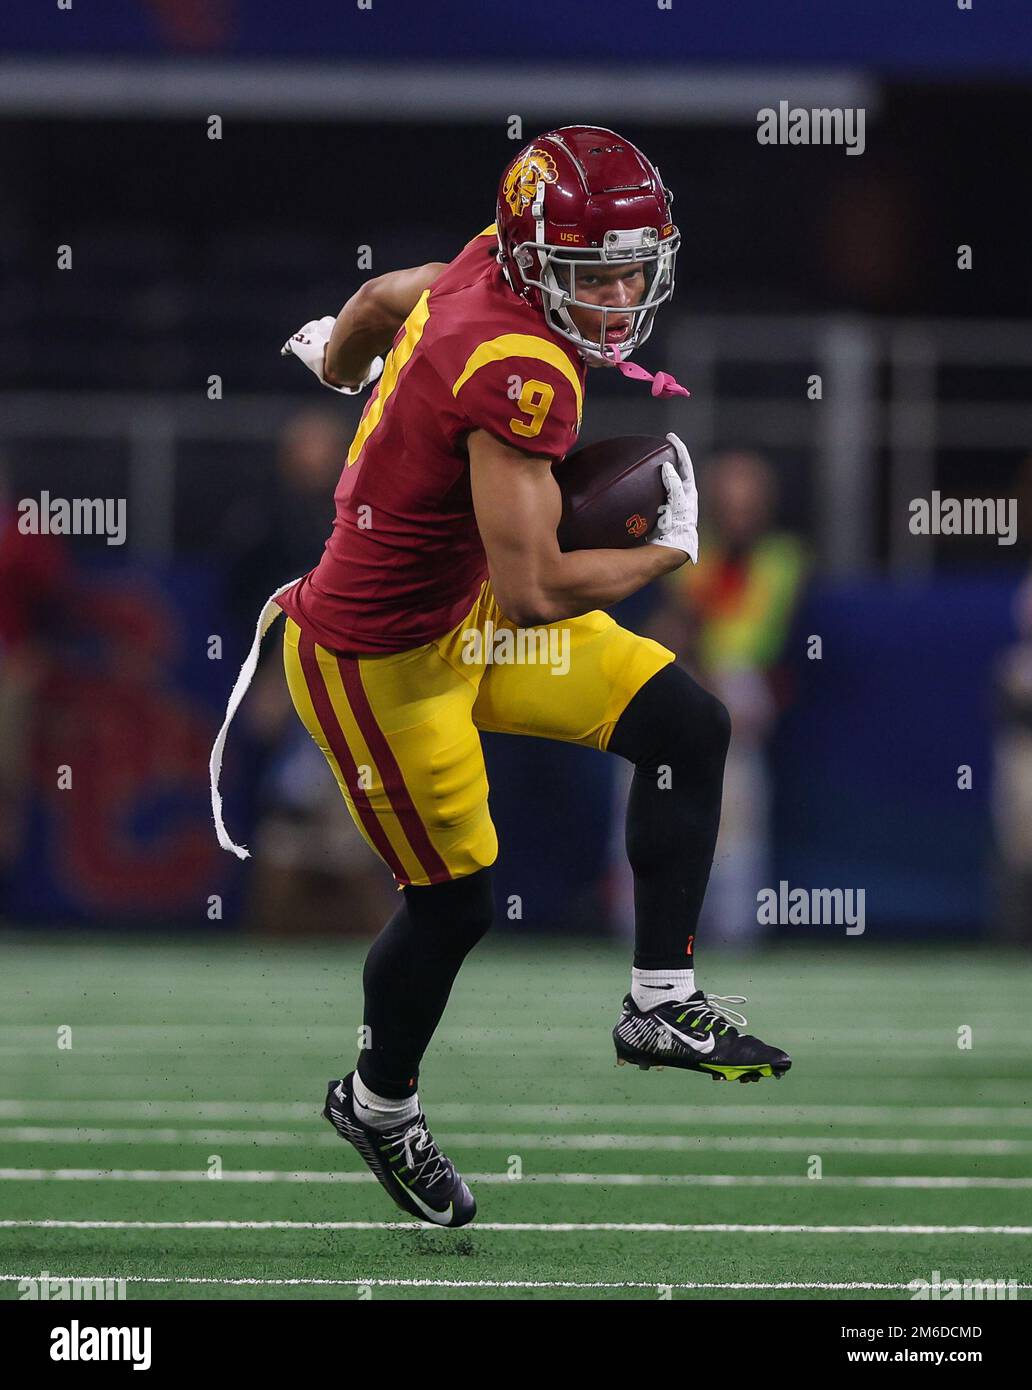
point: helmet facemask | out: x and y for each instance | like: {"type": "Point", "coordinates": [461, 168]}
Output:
{"type": "Point", "coordinates": [557, 281]}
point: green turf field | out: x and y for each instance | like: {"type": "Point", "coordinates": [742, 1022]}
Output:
{"type": "Point", "coordinates": [185, 1057]}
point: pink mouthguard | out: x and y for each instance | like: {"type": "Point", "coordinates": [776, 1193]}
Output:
{"type": "Point", "coordinates": [663, 384]}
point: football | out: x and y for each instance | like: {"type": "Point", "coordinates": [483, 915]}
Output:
{"type": "Point", "coordinates": [612, 492]}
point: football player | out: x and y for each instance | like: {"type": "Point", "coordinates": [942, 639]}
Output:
{"type": "Point", "coordinates": [446, 516]}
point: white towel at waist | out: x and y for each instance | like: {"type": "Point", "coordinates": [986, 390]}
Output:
{"type": "Point", "coordinates": [270, 611]}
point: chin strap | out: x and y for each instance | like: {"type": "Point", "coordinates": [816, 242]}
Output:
{"type": "Point", "coordinates": [663, 384]}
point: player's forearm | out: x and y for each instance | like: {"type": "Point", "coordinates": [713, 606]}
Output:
{"type": "Point", "coordinates": [582, 580]}
{"type": "Point", "coordinates": [360, 333]}
{"type": "Point", "coordinates": [366, 325]}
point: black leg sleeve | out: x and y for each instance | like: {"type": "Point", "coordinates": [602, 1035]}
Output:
{"type": "Point", "coordinates": [409, 972]}
{"type": "Point", "coordinates": [677, 736]}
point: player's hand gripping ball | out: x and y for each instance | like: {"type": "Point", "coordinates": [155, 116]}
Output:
{"type": "Point", "coordinates": [634, 490]}
{"type": "Point", "coordinates": [678, 525]}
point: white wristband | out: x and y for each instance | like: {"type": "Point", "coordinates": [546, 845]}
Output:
{"type": "Point", "coordinates": [309, 345]}
{"type": "Point", "coordinates": [375, 368]}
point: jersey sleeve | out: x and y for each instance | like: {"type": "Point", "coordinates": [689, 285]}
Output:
{"type": "Point", "coordinates": [524, 390]}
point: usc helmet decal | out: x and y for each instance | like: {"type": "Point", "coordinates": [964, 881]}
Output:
{"type": "Point", "coordinates": [522, 177]}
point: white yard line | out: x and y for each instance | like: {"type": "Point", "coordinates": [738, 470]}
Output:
{"type": "Point", "coordinates": [311, 1176]}
{"type": "Point", "coordinates": [636, 1143]}
{"type": "Point", "coordinates": [545, 1034]}
{"type": "Point", "coordinates": [462, 1283]}
{"type": "Point", "coordinates": [736, 1112]}
{"type": "Point", "coordinates": [647, 1227]}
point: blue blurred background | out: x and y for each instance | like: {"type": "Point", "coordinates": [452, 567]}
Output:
{"type": "Point", "coordinates": [356, 141]}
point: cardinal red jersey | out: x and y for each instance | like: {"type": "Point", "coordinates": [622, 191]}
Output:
{"type": "Point", "coordinates": [405, 562]}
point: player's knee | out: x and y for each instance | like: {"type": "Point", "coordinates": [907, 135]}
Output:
{"type": "Point", "coordinates": [715, 724]}
{"type": "Point", "coordinates": [673, 720]}
{"type": "Point", "coordinates": [701, 733]}
{"type": "Point", "coordinates": [462, 905]}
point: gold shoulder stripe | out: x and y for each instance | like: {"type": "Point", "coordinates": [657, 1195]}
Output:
{"type": "Point", "coordinates": [521, 345]}
{"type": "Point", "coordinates": [488, 231]}
{"type": "Point", "coordinates": [396, 359]}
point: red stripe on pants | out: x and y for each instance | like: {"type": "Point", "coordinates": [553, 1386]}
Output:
{"type": "Point", "coordinates": [330, 725]}
{"type": "Point", "coordinates": [390, 773]}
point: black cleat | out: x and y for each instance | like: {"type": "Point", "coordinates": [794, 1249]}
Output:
{"type": "Point", "coordinates": [405, 1160]}
{"type": "Point", "coordinates": [699, 1035]}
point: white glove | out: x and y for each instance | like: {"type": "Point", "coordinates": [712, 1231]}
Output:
{"type": "Point", "coordinates": [678, 525]}
{"type": "Point", "coordinates": [309, 345]}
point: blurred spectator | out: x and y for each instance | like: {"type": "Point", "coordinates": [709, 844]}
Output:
{"type": "Point", "coordinates": [32, 579]}
{"type": "Point", "coordinates": [728, 619]}
{"type": "Point", "coordinates": [312, 872]}
{"type": "Point", "coordinates": [871, 226]}
{"type": "Point", "coordinates": [274, 537]}
{"type": "Point", "coordinates": [1012, 777]}
{"type": "Point", "coordinates": [125, 836]}
{"type": "Point", "coordinates": [1022, 492]}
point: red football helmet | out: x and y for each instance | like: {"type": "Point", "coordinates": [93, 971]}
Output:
{"type": "Point", "coordinates": [583, 196]}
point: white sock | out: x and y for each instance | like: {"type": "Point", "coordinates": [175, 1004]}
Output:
{"type": "Point", "coordinates": [652, 987]}
{"type": "Point", "coordinates": [380, 1111]}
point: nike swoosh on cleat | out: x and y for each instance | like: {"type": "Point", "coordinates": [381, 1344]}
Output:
{"type": "Point", "coordinates": [693, 1043]}
{"type": "Point", "coordinates": [439, 1218]}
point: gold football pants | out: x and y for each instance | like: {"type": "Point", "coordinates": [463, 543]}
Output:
{"type": "Point", "coordinates": [402, 732]}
